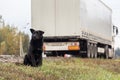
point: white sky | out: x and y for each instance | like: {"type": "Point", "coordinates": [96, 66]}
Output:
{"type": "Point", "coordinates": [17, 12]}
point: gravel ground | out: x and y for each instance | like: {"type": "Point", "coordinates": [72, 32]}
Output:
{"type": "Point", "coordinates": [10, 58]}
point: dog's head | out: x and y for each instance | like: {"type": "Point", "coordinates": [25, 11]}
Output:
{"type": "Point", "coordinates": [36, 34]}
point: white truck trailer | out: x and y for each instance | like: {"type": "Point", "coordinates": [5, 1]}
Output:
{"type": "Point", "coordinates": [78, 27]}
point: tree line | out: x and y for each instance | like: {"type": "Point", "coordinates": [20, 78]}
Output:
{"type": "Point", "coordinates": [10, 40]}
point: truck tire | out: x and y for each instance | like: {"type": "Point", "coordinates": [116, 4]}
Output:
{"type": "Point", "coordinates": [88, 50]}
{"type": "Point", "coordinates": [95, 54]}
{"type": "Point", "coordinates": [106, 52]}
{"type": "Point", "coordinates": [92, 50]}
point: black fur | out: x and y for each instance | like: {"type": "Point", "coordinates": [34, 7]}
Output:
{"type": "Point", "coordinates": [34, 55]}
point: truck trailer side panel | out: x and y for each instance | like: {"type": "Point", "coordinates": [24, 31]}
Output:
{"type": "Point", "coordinates": [96, 18]}
{"type": "Point", "coordinates": [67, 17]}
{"type": "Point", "coordinates": [43, 16]}
{"type": "Point", "coordinates": [70, 17]}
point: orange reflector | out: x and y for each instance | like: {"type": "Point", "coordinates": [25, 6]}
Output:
{"type": "Point", "coordinates": [73, 48]}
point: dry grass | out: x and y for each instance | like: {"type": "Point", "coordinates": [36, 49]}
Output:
{"type": "Point", "coordinates": [63, 69]}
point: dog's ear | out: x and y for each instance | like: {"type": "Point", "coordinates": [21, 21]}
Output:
{"type": "Point", "coordinates": [42, 32]}
{"type": "Point", "coordinates": [32, 30]}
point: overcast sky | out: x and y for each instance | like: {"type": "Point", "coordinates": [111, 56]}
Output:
{"type": "Point", "coordinates": [17, 12]}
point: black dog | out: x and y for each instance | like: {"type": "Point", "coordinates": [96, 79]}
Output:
{"type": "Point", "coordinates": [34, 55]}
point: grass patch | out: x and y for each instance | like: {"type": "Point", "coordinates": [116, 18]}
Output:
{"type": "Point", "coordinates": [63, 69]}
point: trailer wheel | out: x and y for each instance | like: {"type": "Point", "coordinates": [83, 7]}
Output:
{"type": "Point", "coordinates": [92, 51]}
{"type": "Point", "coordinates": [107, 55]}
{"type": "Point", "coordinates": [106, 52]}
{"type": "Point", "coordinates": [95, 50]}
{"type": "Point", "coordinates": [88, 50]}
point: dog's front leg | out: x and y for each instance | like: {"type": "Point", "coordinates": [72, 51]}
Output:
{"type": "Point", "coordinates": [33, 62]}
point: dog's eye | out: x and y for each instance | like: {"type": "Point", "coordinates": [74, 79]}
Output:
{"type": "Point", "coordinates": [37, 32]}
